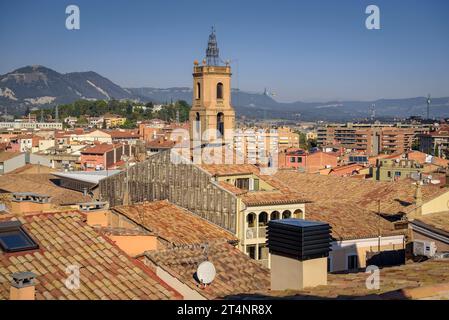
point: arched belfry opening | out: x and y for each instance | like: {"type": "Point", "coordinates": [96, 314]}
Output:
{"type": "Point", "coordinates": [220, 123]}
{"type": "Point", "coordinates": [219, 91]}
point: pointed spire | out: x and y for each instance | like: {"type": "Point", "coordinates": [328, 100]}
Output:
{"type": "Point", "coordinates": [212, 56]}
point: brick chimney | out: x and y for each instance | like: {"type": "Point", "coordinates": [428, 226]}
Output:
{"type": "Point", "coordinates": [22, 286]}
{"type": "Point", "coordinates": [299, 250]}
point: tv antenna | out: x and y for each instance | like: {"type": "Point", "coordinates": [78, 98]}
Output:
{"type": "Point", "coordinates": [428, 106]}
{"type": "Point", "coordinates": [206, 273]}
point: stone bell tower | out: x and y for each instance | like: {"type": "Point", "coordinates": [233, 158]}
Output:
{"type": "Point", "coordinates": [212, 115]}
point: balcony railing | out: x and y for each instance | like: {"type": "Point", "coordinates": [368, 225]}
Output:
{"type": "Point", "coordinates": [262, 232]}
{"type": "Point", "coordinates": [251, 233]}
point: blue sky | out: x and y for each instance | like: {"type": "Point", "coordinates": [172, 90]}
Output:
{"type": "Point", "coordinates": [302, 50]}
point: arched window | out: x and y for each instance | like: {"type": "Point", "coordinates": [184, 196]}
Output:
{"type": "Point", "coordinates": [220, 123]}
{"type": "Point", "coordinates": [219, 90]}
{"type": "Point", "coordinates": [275, 215]}
{"type": "Point", "coordinates": [198, 90]}
{"type": "Point", "coordinates": [251, 220]}
{"type": "Point", "coordinates": [263, 219]}
{"type": "Point", "coordinates": [298, 214]}
{"type": "Point", "coordinates": [286, 214]}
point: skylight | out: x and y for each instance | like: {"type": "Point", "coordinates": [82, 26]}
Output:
{"type": "Point", "coordinates": [13, 238]}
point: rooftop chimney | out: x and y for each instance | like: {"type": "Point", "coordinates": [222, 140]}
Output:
{"type": "Point", "coordinates": [299, 250]}
{"type": "Point", "coordinates": [22, 286]}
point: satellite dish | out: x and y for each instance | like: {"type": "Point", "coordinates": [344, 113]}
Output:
{"type": "Point", "coordinates": [206, 272]}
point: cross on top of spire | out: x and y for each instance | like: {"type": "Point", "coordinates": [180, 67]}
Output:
{"type": "Point", "coordinates": [212, 56]}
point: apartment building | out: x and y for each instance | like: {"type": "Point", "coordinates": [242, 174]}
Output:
{"type": "Point", "coordinates": [435, 142]}
{"type": "Point", "coordinates": [113, 120]}
{"type": "Point", "coordinates": [396, 169]}
{"type": "Point", "coordinates": [370, 140]}
{"type": "Point", "coordinates": [310, 162]}
{"type": "Point", "coordinates": [103, 156]}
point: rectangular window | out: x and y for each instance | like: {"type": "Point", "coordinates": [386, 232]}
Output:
{"type": "Point", "coordinates": [389, 174]}
{"type": "Point", "coordinates": [353, 262]}
{"type": "Point", "coordinates": [242, 183]}
{"type": "Point", "coordinates": [397, 173]}
{"type": "Point", "coordinates": [13, 237]}
{"type": "Point", "coordinates": [292, 159]}
{"type": "Point", "coordinates": [300, 160]}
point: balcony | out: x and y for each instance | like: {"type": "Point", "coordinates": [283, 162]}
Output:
{"type": "Point", "coordinates": [253, 233]}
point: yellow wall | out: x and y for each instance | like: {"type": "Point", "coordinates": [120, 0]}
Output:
{"type": "Point", "coordinates": [439, 204]}
{"type": "Point", "coordinates": [339, 256]}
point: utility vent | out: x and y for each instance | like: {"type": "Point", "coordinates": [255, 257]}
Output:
{"type": "Point", "coordinates": [299, 239]}
{"type": "Point", "coordinates": [92, 206]}
{"type": "Point", "coordinates": [30, 197]}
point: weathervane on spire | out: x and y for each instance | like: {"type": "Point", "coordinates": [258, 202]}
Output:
{"type": "Point", "coordinates": [212, 56]}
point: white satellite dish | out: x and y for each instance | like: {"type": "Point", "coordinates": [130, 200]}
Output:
{"type": "Point", "coordinates": [206, 272]}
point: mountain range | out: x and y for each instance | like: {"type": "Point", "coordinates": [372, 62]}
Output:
{"type": "Point", "coordinates": [40, 87]}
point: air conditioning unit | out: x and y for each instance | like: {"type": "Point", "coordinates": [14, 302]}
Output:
{"type": "Point", "coordinates": [424, 248]}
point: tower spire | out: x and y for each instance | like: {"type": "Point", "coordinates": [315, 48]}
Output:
{"type": "Point", "coordinates": [212, 56]}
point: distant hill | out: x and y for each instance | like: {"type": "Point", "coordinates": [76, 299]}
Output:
{"type": "Point", "coordinates": [260, 106]}
{"type": "Point", "coordinates": [38, 86]}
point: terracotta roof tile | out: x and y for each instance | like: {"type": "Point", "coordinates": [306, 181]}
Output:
{"type": "Point", "coordinates": [236, 272]}
{"type": "Point", "coordinates": [174, 224]}
{"type": "Point", "coordinates": [396, 197]}
{"type": "Point", "coordinates": [438, 220]}
{"type": "Point", "coordinates": [41, 184]}
{"type": "Point", "coordinates": [50, 262]}
{"type": "Point", "coordinates": [400, 282]}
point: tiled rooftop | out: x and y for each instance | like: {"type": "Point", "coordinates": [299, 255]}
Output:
{"type": "Point", "coordinates": [235, 271]}
{"type": "Point", "coordinates": [230, 169]}
{"type": "Point", "coordinates": [105, 271]}
{"type": "Point", "coordinates": [5, 156]}
{"type": "Point", "coordinates": [99, 149]}
{"type": "Point", "coordinates": [416, 280]}
{"type": "Point", "coordinates": [349, 221]}
{"type": "Point", "coordinates": [438, 220]}
{"type": "Point", "coordinates": [271, 197]}
{"type": "Point", "coordinates": [42, 184]}
{"type": "Point", "coordinates": [173, 224]}
{"type": "Point", "coordinates": [396, 197]}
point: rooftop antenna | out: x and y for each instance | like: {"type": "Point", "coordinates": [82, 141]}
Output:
{"type": "Point", "coordinates": [428, 106]}
{"type": "Point", "coordinates": [56, 113]}
{"type": "Point", "coordinates": [206, 273]}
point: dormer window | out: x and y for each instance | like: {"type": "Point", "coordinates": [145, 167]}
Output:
{"type": "Point", "coordinates": [13, 238]}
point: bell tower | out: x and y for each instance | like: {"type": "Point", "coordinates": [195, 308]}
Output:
{"type": "Point", "coordinates": [212, 115]}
